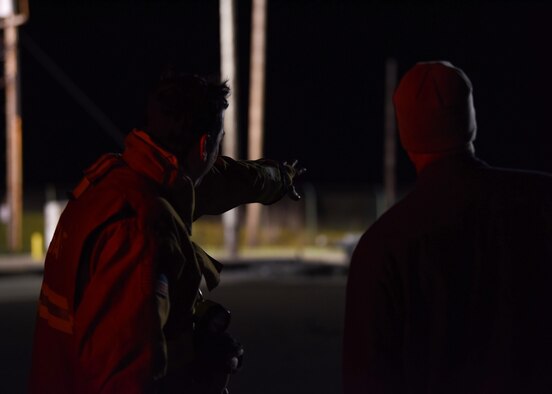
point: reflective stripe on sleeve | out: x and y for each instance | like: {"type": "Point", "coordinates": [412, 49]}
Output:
{"type": "Point", "coordinates": [55, 309]}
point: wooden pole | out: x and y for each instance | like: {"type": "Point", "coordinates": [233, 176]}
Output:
{"type": "Point", "coordinates": [228, 71]}
{"type": "Point", "coordinates": [14, 165]}
{"type": "Point", "coordinates": [256, 108]}
{"type": "Point", "coordinates": [390, 138]}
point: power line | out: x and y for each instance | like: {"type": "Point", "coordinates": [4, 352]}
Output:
{"type": "Point", "coordinates": [74, 91]}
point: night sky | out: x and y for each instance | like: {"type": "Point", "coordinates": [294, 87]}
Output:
{"type": "Point", "coordinates": [324, 81]}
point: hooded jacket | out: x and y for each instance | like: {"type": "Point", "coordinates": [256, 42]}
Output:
{"type": "Point", "coordinates": [449, 291]}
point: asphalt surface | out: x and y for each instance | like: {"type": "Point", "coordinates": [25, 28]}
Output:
{"type": "Point", "coordinates": [287, 315]}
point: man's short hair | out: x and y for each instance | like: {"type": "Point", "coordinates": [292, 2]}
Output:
{"type": "Point", "coordinates": [182, 107]}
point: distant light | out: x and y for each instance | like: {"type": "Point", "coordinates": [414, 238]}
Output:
{"type": "Point", "coordinates": [7, 8]}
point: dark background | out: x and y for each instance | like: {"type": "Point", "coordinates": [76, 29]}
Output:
{"type": "Point", "coordinates": [324, 81]}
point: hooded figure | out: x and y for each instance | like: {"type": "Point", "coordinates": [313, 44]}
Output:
{"type": "Point", "coordinates": [448, 292]}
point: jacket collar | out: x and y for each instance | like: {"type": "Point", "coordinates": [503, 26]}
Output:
{"type": "Point", "coordinates": [147, 158]}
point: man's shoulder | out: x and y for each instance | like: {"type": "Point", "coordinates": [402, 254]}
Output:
{"type": "Point", "coordinates": [386, 237]}
{"type": "Point", "coordinates": [389, 227]}
{"type": "Point", "coordinates": [136, 189]}
{"type": "Point", "coordinates": [392, 221]}
{"type": "Point", "coordinates": [518, 184]}
{"type": "Point", "coordinates": [425, 208]}
{"type": "Point", "coordinates": [519, 173]}
{"type": "Point", "coordinates": [123, 189]}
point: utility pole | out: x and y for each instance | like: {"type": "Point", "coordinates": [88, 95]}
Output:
{"type": "Point", "coordinates": [228, 70]}
{"type": "Point", "coordinates": [390, 138]}
{"type": "Point", "coordinates": [256, 107]}
{"type": "Point", "coordinates": [12, 14]}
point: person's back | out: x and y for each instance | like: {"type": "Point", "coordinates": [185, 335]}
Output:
{"type": "Point", "coordinates": [448, 290]}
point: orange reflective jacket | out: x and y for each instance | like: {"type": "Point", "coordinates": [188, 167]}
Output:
{"type": "Point", "coordinates": [121, 274]}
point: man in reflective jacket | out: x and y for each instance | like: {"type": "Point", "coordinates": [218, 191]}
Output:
{"type": "Point", "coordinates": [449, 291]}
{"type": "Point", "coordinates": [121, 274]}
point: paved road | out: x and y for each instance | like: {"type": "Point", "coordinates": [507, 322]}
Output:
{"type": "Point", "coordinates": [18, 296]}
{"type": "Point", "coordinates": [290, 324]}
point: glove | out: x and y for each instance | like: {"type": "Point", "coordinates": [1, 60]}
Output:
{"type": "Point", "coordinates": [289, 172]}
{"type": "Point", "coordinates": [218, 355]}
{"type": "Point", "coordinates": [220, 352]}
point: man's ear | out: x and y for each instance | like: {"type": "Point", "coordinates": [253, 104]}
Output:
{"type": "Point", "coordinates": [203, 148]}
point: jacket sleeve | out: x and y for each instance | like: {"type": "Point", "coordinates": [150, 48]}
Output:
{"type": "Point", "coordinates": [231, 183]}
{"type": "Point", "coordinates": [372, 334]}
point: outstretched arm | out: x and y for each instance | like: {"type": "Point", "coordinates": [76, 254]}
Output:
{"type": "Point", "coordinates": [231, 183]}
